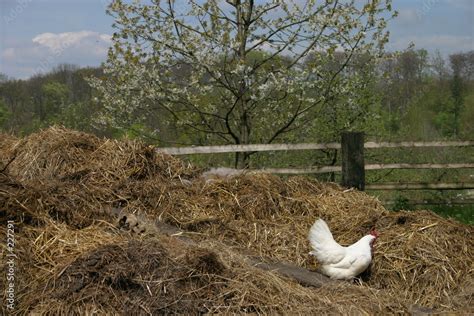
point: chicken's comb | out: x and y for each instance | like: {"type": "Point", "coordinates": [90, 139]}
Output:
{"type": "Point", "coordinates": [374, 233]}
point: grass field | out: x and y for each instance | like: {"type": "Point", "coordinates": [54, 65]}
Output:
{"type": "Point", "coordinates": [463, 214]}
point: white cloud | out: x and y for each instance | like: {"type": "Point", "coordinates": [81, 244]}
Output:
{"type": "Point", "coordinates": [106, 38]}
{"type": "Point", "coordinates": [45, 51]}
{"type": "Point", "coordinates": [409, 16]}
{"type": "Point", "coordinates": [8, 53]}
{"type": "Point", "coordinates": [61, 41]}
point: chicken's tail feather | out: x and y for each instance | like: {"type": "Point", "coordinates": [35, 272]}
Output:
{"type": "Point", "coordinates": [319, 234]}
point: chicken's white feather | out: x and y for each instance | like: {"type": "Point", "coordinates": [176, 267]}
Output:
{"type": "Point", "coordinates": [339, 262]}
{"type": "Point", "coordinates": [325, 248]}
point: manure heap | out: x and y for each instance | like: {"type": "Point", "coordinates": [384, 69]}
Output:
{"type": "Point", "coordinates": [70, 195]}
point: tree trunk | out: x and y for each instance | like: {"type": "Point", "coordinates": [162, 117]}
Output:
{"type": "Point", "coordinates": [242, 160]}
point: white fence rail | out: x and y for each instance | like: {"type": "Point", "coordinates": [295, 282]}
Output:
{"type": "Point", "coordinates": [304, 146]}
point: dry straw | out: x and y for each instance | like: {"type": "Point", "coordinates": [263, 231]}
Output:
{"type": "Point", "coordinates": [59, 186]}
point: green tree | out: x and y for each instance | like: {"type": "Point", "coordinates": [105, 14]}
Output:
{"type": "Point", "coordinates": [3, 78]}
{"type": "Point", "coordinates": [4, 113]}
{"type": "Point", "coordinates": [15, 98]}
{"type": "Point", "coordinates": [227, 93]}
{"type": "Point", "coordinates": [457, 62]}
{"type": "Point", "coordinates": [55, 97]}
{"type": "Point", "coordinates": [405, 75]}
{"type": "Point", "coordinates": [61, 96]}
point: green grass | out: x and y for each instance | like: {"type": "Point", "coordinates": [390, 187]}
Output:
{"type": "Point", "coordinates": [463, 214]}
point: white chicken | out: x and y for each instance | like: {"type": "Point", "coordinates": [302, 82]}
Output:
{"type": "Point", "coordinates": [338, 262]}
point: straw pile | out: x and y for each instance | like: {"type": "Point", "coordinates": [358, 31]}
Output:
{"type": "Point", "coordinates": [59, 186]}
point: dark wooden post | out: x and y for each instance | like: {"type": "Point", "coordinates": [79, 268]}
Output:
{"type": "Point", "coordinates": [352, 152]}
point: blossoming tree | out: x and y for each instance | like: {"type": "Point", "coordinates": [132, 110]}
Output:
{"type": "Point", "coordinates": [237, 71]}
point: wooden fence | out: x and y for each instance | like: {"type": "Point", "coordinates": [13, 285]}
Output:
{"type": "Point", "coordinates": [353, 168]}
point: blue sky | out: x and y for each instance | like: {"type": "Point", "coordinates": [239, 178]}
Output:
{"type": "Point", "coordinates": [36, 35]}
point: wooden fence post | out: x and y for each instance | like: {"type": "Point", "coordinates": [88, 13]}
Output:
{"type": "Point", "coordinates": [352, 153]}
